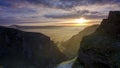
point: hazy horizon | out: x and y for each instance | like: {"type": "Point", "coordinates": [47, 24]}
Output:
{"type": "Point", "coordinates": [57, 34]}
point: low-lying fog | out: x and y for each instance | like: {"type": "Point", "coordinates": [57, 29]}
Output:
{"type": "Point", "coordinates": [58, 34]}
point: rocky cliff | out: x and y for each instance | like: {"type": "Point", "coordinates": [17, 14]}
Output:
{"type": "Point", "coordinates": [19, 49]}
{"type": "Point", "coordinates": [72, 45]}
{"type": "Point", "coordinates": [101, 49]}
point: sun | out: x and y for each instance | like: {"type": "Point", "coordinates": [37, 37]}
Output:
{"type": "Point", "coordinates": [77, 22]}
{"type": "Point", "coordinates": [81, 21]}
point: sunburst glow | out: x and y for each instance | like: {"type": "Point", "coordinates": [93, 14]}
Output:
{"type": "Point", "coordinates": [81, 21]}
{"type": "Point", "coordinates": [77, 22]}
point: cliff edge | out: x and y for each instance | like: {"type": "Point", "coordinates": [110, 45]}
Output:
{"type": "Point", "coordinates": [101, 49]}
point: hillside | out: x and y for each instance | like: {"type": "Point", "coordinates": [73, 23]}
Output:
{"type": "Point", "coordinates": [71, 46]}
{"type": "Point", "coordinates": [19, 49]}
{"type": "Point", "coordinates": [101, 49]}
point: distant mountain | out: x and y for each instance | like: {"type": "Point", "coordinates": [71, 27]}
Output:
{"type": "Point", "coordinates": [19, 49]}
{"type": "Point", "coordinates": [72, 45]}
{"type": "Point", "coordinates": [101, 49]}
{"type": "Point", "coordinates": [32, 27]}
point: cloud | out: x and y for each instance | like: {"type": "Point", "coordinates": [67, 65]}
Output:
{"type": "Point", "coordinates": [6, 4]}
{"type": "Point", "coordinates": [82, 13]}
{"type": "Point", "coordinates": [66, 4]}
{"type": "Point", "coordinates": [13, 20]}
{"type": "Point", "coordinates": [76, 14]}
{"type": "Point", "coordinates": [63, 4]}
{"type": "Point", "coordinates": [4, 21]}
{"type": "Point", "coordinates": [94, 16]}
{"type": "Point", "coordinates": [36, 10]}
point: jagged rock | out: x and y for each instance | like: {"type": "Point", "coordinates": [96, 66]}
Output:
{"type": "Point", "coordinates": [72, 45]}
{"type": "Point", "coordinates": [111, 25]}
{"type": "Point", "coordinates": [114, 15]}
{"type": "Point", "coordinates": [102, 48]}
{"type": "Point", "coordinates": [19, 49]}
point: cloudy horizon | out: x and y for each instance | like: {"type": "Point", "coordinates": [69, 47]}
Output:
{"type": "Point", "coordinates": [54, 12]}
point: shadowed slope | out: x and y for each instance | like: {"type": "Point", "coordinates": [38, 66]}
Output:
{"type": "Point", "coordinates": [19, 49]}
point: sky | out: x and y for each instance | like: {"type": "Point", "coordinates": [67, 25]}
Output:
{"type": "Point", "coordinates": [55, 12]}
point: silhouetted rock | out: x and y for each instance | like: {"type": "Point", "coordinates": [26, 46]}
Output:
{"type": "Point", "coordinates": [114, 15]}
{"type": "Point", "coordinates": [19, 49]}
{"type": "Point", "coordinates": [111, 25]}
{"type": "Point", "coordinates": [72, 45]}
{"type": "Point", "coordinates": [102, 48]}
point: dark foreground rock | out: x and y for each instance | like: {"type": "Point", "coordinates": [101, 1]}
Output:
{"type": "Point", "coordinates": [102, 48]}
{"type": "Point", "coordinates": [19, 49]}
{"type": "Point", "coordinates": [71, 46]}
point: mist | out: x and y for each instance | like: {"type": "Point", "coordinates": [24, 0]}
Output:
{"type": "Point", "coordinates": [58, 34]}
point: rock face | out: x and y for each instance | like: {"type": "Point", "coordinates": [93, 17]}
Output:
{"type": "Point", "coordinates": [19, 49]}
{"type": "Point", "coordinates": [72, 45]}
{"type": "Point", "coordinates": [101, 49]}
